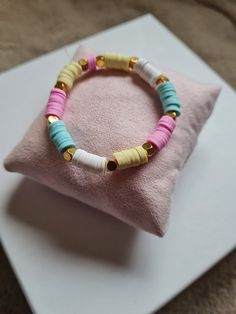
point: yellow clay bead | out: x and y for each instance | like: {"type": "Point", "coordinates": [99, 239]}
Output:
{"type": "Point", "coordinates": [151, 149]}
{"type": "Point", "coordinates": [132, 157]}
{"type": "Point", "coordinates": [84, 64]}
{"type": "Point", "coordinates": [68, 154]}
{"type": "Point", "coordinates": [69, 74]}
{"type": "Point", "coordinates": [100, 61]}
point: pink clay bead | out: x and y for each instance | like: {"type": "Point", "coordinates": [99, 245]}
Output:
{"type": "Point", "coordinates": [162, 132]}
{"type": "Point", "coordinates": [56, 103]}
{"type": "Point", "coordinates": [91, 59]}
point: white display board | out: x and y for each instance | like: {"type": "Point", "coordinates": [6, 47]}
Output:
{"type": "Point", "coordinates": [70, 258]}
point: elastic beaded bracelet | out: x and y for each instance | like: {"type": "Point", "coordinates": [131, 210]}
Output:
{"type": "Point", "coordinates": [126, 158]}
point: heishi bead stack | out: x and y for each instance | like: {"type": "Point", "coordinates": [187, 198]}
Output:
{"type": "Point", "coordinates": [125, 158]}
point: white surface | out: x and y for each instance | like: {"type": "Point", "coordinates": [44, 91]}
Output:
{"type": "Point", "coordinates": [72, 259]}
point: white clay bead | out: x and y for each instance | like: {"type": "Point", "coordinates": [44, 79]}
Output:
{"type": "Point", "coordinates": [147, 71]}
{"type": "Point", "coordinates": [85, 160]}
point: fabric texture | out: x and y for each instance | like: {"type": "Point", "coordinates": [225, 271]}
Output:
{"type": "Point", "coordinates": [106, 112]}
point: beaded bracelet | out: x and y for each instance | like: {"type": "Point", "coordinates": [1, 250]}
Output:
{"type": "Point", "coordinates": [126, 158]}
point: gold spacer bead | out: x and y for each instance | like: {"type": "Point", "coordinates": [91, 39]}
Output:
{"type": "Point", "coordinates": [111, 165]}
{"type": "Point", "coordinates": [61, 86]}
{"type": "Point", "coordinates": [132, 62]}
{"type": "Point", "coordinates": [100, 61]}
{"type": "Point", "coordinates": [150, 148]}
{"type": "Point", "coordinates": [171, 114]}
{"type": "Point", "coordinates": [52, 119]}
{"type": "Point", "coordinates": [68, 154]}
{"type": "Point", "coordinates": [161, 79]}
{"type": "Point", "coordinates": [84, 64]}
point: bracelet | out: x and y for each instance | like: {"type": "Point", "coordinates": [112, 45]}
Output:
{"type": "Point", "coordinates": [126, 158]}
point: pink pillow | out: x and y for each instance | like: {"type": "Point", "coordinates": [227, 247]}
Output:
{"type": "Point", "coordinates": [106, 112]}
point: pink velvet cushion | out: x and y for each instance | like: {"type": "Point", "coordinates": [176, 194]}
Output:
{"type": "Point", "coordinates": [106, 112]}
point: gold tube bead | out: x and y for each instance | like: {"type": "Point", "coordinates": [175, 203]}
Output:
{"type": "Point", "coordinates": [61, 86]}
{"type": "Point", "coordinates": [150, 149]}
{"type": "Point", "coordinates": [132, 62]}
{"type": "Point", "coordinates": [111, 165]}
{"type": "Point", "coordinates": [161, 79]}
{"type": "Point", "coordinates": [171, 114]}
{"type": "Point", "coordinates": [84, 64]}
{"type": "Point", "coordinates": [100, 61]}
{"type": "Point", "coordinates": [68, 153]}
{"type": "Point", "coordinates": [51, 119]}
